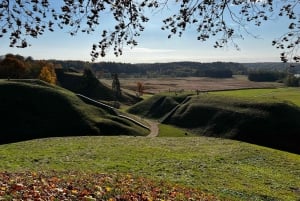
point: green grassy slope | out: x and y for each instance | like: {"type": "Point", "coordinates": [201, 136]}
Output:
{"type": "Point", "coordinates": [172, 131]}
{"type": "Point", "coordinates": [229, 169]}
{"type": "Point", "coordinates": [269, 122]}
{"type": "Point", "coordinates": [35, 109]}
{"type": "Point", "coordinates": [76, 82]}
{"type": "Point", "coordinates": [280, 94]}
{"type": "Point", "coordinates": [92, 88]}
{"type": "Point", "coordinates": [156, 106]}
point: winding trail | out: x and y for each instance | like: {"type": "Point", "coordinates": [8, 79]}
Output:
{"type": "Point", "coordinates": [154, 129]}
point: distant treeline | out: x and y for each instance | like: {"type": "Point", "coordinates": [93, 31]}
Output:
{"type": "Point", "coordinates": [266, 76]}
{"type": "Point", "coordinates": [173, 69]}
{"type": "Point", "coordinates": [178, 69]}
{"type": "Point", "coordinates": [273, 66]}
{"type": "Point", "coordinates": [261, 72]}
{"type": "Point", "coordinates": [272, 76]}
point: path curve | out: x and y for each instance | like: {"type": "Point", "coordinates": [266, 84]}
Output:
{"type": "Point", "coordinates": [154, 130]}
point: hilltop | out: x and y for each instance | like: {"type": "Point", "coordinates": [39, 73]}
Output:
{"type": "Point", "coordinates": [90, 86]}
{"type": "Point", "coordinates": [228, 169]}
{"type": "Point", "coordinates": [35, 109]}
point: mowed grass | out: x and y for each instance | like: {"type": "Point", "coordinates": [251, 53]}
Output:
{"type": "Point", "coordinates": [171, 131]}
{"type": "Point", "coordinates": [279, 94]}
{"type": "Point", "coordinates": [229, 169]}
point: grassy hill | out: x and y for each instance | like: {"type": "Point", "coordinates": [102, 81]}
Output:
{"type": "Point", "coordinates": [228, 169]}
{"type": "Point", "coordinates": [91, 87]}
{"type": "Point", "coordinates": [34, 109]}
{"type": "Point", "coordinates": [272, 122]}
{"type": "Point", "coordinates": [157, 106]}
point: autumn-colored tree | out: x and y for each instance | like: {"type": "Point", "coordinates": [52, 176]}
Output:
{"type": "Point", "coordinates": [140, 88]}
{"type": "Point", "coordinates": [13, 67]}
{"type": "Point", "coordinates": [35, 67]}
{"type": "Point", "coordinates": [48, 74]}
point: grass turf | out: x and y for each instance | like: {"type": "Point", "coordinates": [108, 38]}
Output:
{"type": "Point", "coordinates": [171, 131]}
{"type": "Point", "coordinates": [279, 94]}
{"type": "Point", "coordinates": [229, 169]}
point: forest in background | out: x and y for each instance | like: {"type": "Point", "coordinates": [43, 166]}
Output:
{"type": "Point", "coordinates": [259, 72]}
{"type": "Point", "coordinates": [176, 69]}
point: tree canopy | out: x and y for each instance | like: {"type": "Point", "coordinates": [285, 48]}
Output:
{"type": "Point", "coordinates": [221, 20]}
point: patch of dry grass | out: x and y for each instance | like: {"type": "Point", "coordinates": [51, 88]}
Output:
{"type": "Point", "coordinates": [157, 85]}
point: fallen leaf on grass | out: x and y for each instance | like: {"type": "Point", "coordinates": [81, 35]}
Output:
{"type": "Point", "coordinates": [91, 187]}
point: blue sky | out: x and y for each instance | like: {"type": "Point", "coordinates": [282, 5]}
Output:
{"type": "Point", "coordinates": [154, 46]}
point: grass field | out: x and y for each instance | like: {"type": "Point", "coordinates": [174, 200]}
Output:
{"type": "Point", "coordinates": [228, 169]}
{"type": "Point", "coordinates": [280, 94]}
{"type": "Point", "coordinates": [171, 131]}
{"type": "Point", "coordinates": [158, 85]}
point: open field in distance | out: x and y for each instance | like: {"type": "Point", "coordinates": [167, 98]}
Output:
{"type": "Point", "coordinates": [157, 85]}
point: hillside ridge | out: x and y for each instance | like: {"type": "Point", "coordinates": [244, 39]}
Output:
{"type": "Point", "coordinates": [272, 124]}
{"type": "Point", "coordinates": [35, 109]}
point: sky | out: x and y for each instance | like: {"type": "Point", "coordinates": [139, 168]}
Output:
{"type": "Point", "coordinates": [154, 45]}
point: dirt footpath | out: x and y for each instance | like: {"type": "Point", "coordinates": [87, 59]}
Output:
{"type": "Point", "coordinates": [154, 130]}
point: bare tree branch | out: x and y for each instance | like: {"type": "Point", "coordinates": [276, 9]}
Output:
{"type": "Point", "coordinates": [22, 19]}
